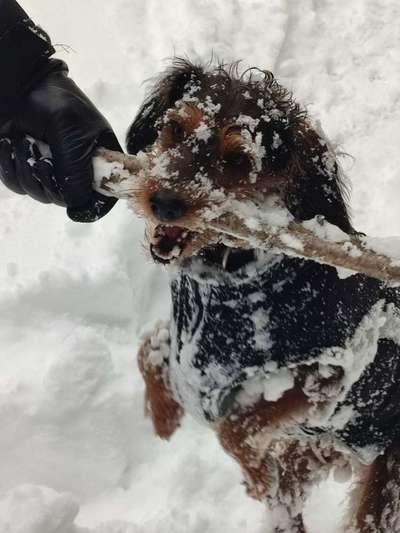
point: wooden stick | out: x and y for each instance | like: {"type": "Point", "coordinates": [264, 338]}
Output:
{"type": "Point", "coordinates": [129, 162]}
{"type": "Point", "coordinates": [116, 173]}
{"type": "Point", "coordinates": [352, 253]}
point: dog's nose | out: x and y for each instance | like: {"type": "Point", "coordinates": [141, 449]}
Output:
{"type": "Point", "coordinates": [167, 206]}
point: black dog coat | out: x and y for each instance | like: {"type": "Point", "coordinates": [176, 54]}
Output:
{"type": "Point", "coordinates": [231, 330]}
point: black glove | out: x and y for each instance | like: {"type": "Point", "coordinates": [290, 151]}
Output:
{"type": "Point", "coordinates": [58, 113]}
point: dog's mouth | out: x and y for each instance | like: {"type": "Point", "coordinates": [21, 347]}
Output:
{"type": "Point", "coordinates": [170, 243]}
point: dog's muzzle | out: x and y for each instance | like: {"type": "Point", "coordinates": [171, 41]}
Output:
{"type": "Point", "coordinates": [167, 206]}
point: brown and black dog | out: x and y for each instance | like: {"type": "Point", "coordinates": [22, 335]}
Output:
{"type": "Point", "coordinates": [294, 365]}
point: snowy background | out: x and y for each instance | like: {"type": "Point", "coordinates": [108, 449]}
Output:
{"type": "Point", "coordinates": [76, 454]}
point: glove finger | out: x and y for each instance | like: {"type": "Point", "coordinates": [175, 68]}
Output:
{"type": "Point", "coordinates": [75, 161]}
{"type": "Point", "coordinates": [8, 174]}
{"type": "Point", "coordinates": [72, 156]}
{"type": "Point", "coordinates": [24, 167]}
{"type": "Point", "coordinates": [83, 203]}
{"type": "Point", "coordinates": [100, 204]}
{"type": "Point", "coordinates": [96, 209]}
{"type": "Point", "coordinates": [43, 170]}
{"type": "Point", "coordinates": [107, 139]}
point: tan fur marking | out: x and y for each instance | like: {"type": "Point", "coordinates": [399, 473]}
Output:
{"type": "Point", "coordinates": [230, 140]}
{"type": "Point", "coordinates": [236, 434]}
{"type": "Point", "coordinates": [375, 497]}
{"type": "Point", "coordinates": [191, 115]}
{"type": "Point", "coordinates": [188, 117]}
{"type": "Point", "coordinates": [160, 405]}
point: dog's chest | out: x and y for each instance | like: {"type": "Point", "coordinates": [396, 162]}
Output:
{"type": "Point", "coordinates": [229, 329]}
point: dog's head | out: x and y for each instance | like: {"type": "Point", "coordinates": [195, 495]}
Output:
{"type": "Point", "coordinates": [214, 133]}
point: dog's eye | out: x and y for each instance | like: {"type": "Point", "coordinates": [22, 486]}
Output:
{"type": "Point", "coordinates": [177, 131]}
{"type": "Point", "coordinates": [238, 160]}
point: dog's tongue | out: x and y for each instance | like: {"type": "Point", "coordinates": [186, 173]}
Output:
{"type": "Point", "coordinates": [172, 232]}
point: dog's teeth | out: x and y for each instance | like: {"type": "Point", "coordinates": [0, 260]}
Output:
{"type": "Point", "coordinates": [225, 258]}
{"type": "Point", "coordinates": [176, 251]}
{"type": "Point", "coordinates": [163, 237]}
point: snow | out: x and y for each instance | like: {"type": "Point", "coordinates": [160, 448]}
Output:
{"type": "Point", "coordinates": [278, 384]}
{"type": "Point", "coordinates": [202, 132]}
{"type": "Point", "coordinates": [111, 178]}
{"type": "Point", "coordinates": [37, 510]}
{"type": "Point", "coordinates": [77, 455]}
{"type": "Point", "coordinates": [325, 230]}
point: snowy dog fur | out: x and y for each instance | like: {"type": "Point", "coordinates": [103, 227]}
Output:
{"type": "Point", "coordinates": [218, 133]}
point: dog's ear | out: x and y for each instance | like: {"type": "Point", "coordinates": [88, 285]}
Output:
{"type": "Point", "coordinates": [180, 77]}
{"type": "Point", "coordinates": [317, 185]}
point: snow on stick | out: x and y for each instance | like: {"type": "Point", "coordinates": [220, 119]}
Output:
{"type": "Point", "coordinates": [117, 173]}
{"type": "Point", "coordinates": [315, 240]}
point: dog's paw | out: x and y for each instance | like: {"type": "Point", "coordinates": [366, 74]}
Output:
{"type": "Point", "coordinates": [155, 347]}
{"type": "Point", "coordinates": [153, 359]}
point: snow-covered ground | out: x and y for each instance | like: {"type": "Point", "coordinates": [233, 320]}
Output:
{"type": "Point", "coordinates": [76, 454]}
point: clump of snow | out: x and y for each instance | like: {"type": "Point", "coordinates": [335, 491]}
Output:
{"type": "Point", "coordinates": [202, 132]}
{"type": "Point", "coordinates": [324, 230]}
{"type": "Point", "coordinates": [274, 214]}
{"type": "Point", "coordinates": [159, 342]}
{"type": "Point", "coordinates": [160, 164]}
{"type": "Point", "coordinates": [261, 320]}
{"type": "Point", "coordinates": [106, 169]}
{"type": "Point", "coordinates": [247, 120]}
{"type": "Point", "coordinates": [112, 179]}
{"type": "Point", "coordinates": [381, 322]}
{"type": "Point", "coordinates": [209, 107]}
{"type": "Point", "coordinates": [37, 509]}
{"type": "Point", "coordinates": [254, 147]}
{"type": "Point", "coordinates": [34, 509]}
{"type": "Point", "coordinates": [291, 241]}
{"type": "Point", "coordinates": [276, 384]}
{"type": "Point", "coordinates": [344, 273]}
{"type": "Point", "coordinates": [254, 214]}
{"type": "Point", "coordinates": [272, 113]}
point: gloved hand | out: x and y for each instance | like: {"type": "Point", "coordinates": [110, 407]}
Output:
{"type": "Point", "coordinates": [58, 113]}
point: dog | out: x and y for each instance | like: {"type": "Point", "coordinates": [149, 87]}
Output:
{"type": "Point", "coordinates": [293, 363]}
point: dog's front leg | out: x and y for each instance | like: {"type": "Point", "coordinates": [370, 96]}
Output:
{"type": "Point", "coordinates": [160, 404]}
{"type": "Point", "coordinates": [376, 496]}
{"type": "Point", "coordinates": [250, 437]}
